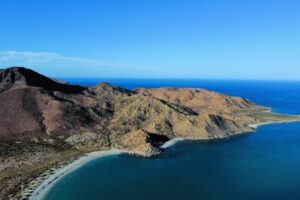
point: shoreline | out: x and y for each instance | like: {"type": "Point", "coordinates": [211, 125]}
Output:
{"type": "Point", "coordinates": [39, 187]}
{"type": "Point", "coordinates": [172, 142]}
{"type": "Point", "coordinates": [256, 125]}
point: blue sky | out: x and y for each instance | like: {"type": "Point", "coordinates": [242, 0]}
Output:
{"type": "Point", "coordinates": [211, 39]}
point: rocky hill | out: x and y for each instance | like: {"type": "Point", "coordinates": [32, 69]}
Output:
{"type": "Point", "coordinates": [44, 122]}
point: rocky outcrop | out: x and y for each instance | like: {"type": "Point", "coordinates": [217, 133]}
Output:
{"type": "Point", "coordinates": [139, 143]}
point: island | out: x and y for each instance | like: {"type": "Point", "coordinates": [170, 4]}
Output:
{"type": "Point", "coordinates": [46, 123]}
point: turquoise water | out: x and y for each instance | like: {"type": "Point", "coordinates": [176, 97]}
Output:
{"type": "Point", "coordinates": [262, 165]}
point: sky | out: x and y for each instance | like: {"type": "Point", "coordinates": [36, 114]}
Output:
{"type": "Point", "coordinates": [189, 39]}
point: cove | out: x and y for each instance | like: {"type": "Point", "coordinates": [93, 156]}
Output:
{"type": "Point", "coordinates": [260, 165]}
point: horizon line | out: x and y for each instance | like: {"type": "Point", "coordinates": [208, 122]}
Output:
{"type": "Point", "coordinates": [179, 78]}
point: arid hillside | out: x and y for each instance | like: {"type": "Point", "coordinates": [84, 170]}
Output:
{"type": "Point", "coordinates": [44, 122]}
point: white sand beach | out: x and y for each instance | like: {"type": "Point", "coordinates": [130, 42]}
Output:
{"type": "Point", "coordinates": [38, 188]}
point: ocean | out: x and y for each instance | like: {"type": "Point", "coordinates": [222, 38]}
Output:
{"type": "Point", "coordinates": [262, 165]}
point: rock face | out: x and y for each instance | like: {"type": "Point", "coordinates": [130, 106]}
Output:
{"type": "Point", "coordinates": [139, 142]}
{"type": "Point", "coordinates": [44, 122]}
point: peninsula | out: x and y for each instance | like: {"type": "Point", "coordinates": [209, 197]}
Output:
{"type": "Point", "coordinates": [45, 123]}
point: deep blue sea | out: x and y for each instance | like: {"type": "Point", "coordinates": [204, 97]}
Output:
{"type": "Point", "coordinates": [264, 165]}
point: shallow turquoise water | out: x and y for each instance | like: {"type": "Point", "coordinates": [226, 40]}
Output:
{"type": "Point", "coordinates": [262, 165]}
